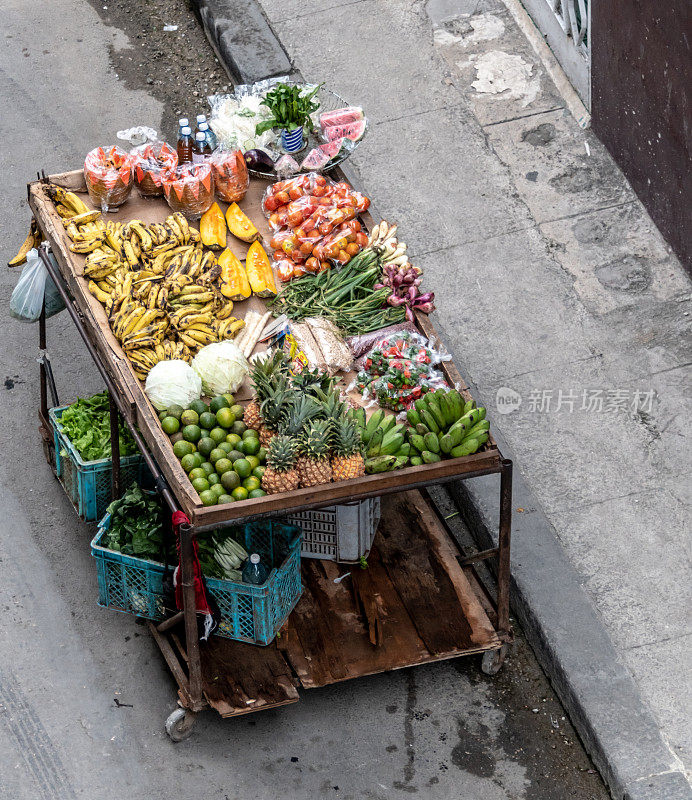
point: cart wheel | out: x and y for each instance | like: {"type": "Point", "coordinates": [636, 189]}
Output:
{"type": "Point", "coordinates": [180, 723]}
{"type": "Point", "coordinates": [493, 660]}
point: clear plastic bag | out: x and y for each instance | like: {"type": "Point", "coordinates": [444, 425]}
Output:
{"type": "Point", "coordinates": [231, 177]}
{"type": "Point", "coordinates": [152, 163]}
{"type": "Point", "coordinates": [34, 287]}
{"type": "Point", "coordinates": [190, 189]}
{"type": "Point", "coordinates": [360, 345]}
{"type": "Point", "coordinates": [108, 176]}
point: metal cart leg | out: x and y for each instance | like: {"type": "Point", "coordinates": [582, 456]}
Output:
{"type": "Point", "coordinates": [190, 613]}
{"type": "Point", "coordinates": [115, 448]}
{"type": "Point", "coordinates": [493, 659]}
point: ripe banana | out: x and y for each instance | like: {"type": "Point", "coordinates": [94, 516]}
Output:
{"type": "Point", "coordinates": [88, 246]}
{"type": "Point", "coordinates": [32, 240]}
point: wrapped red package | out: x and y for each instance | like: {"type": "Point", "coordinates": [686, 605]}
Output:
{"type": "Point", "coordinates": [151, 163]}
{"type": "Point", "coordinates": [108, 176]}
{"type": "Point", "coordinates": [190, 189]}
{"type": "Point", "coordinates": [231, 178]}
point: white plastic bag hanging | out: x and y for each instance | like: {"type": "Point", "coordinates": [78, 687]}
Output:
{"type": "Point", "coordinates": [35, 285]}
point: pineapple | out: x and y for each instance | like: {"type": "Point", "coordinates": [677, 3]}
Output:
{"type": "Point", "coordinates": [265, 373]}
{"type": "Point", "coordinates": [273, 410]}
{"type": "Point", "coordinates": [281, 474]}
{"type": "Point", "coordinates": [313, 463]}
{"type": "Point", "coordinates": [347, 461]}
{"type": "Point", "coordinates": [300, 410]}
{"type": "Point", "coordinates": [312, 382]}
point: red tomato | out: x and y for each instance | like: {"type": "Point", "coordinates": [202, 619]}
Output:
{"type": "Point", "coordinates": [352, 249]}
{"type": "Point", "coordinates": [295, 192]}
{"type": "Point", "coordinates": [361, 239]}
{"type": "Point", "coordinates": [285, 270]}
{"type": "Point", "coordinates": [282, 198]}
{"type": "Point", "coordinates": [312, 264]}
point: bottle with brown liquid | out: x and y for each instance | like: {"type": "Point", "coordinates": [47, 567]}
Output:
{"type": "Point", "coordinates": [185, 145]}
{"type": "Point", "coordinates": [200, 149]}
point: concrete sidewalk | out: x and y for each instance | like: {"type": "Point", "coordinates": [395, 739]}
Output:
{"type": "Point", "coordinates": [555, 290]}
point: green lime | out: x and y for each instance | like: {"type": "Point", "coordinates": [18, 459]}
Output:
{"type": "Point", "coordinates": [238, 411]}
{"type": "Point", "coordinates": [257, 493]}
{"type": "Point", "coordinates": [218, 402]}
{"type": "Point", "coordinates": [175, 411]}
{"type": "Point", "coordinates": [230, 480]}
{"type": "Point", "coordinates": [242, 467]}
{"type": "Point", "coordinates": [177, 437]}
{"type": "Point", "coordinates": [225, 446]}
{"type": "Point", "coordinates": [240, 493]}
{"type": "Point", "coordinates": [182, 448]}
{"type": "Point", "coordinates": [234, 455]}
{"type": "Point", "coordinates": [200, 485]}
{"type": "Point", "coordinates": [223, 465]}
{"type": "Point", "coordinates": [258, 472]}
{"type": "Point", "coordinates": [216, 454]}
{"type": "Point", "coordinates": [218, 435]}
{"type": "Point", "coordinates": [196, 472]}
{"type": "Point", "coordinates": [253, 461]}
{"type": "Point", "coordinates": [192, 433]}
{"type": "Point", "coordinates": [239, 428]}
{"type": "Point", "coordinates": [218, 490]}
{"type": "Point", "coordinates": [249, 433]}
{"type": "Point", "coordinates": [233, 440]}
{"type": "Point", "coordinates": [213, 479]}
{"type": "Point", "coordinates": [228, 397]}
{"type": "Point", "coordinates": [199, 459]}
{"type": "Point", "coordinates": [251, 446]}
{"type": "Point", "coordinates": [162, 415]}
{"type": "Point", "coordinates": [207, 420]}
{"type": "Point", "coordinates": [262, 454]}
{"type": "Point", "coordinates": [205, 445]}
{"type": "Point", "coordinates": [226, 498]}
{"type": "Point", "coordinates": [170, 425]}
{"type": "Point", "coordinates": [208, 498]}
{"type": "Point", "coordinates": [189, 417]}
{"type": "Point", "coordinates": [188, 462]}
{"type": "Point", "coordinates": [208, 467]}
{"type": "Point", "coordinates": [225, 417]}
{"type": "Point", "coordinates": [198, 406]}
{"type": "Point", "coordinates": [251, 483]}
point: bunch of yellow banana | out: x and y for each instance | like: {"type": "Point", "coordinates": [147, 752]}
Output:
{"type": "Point", "coordinates": [144, 358]}
{"type": "Point", "coordinates": [33, 239]}
{"type": "Point", "coordinates": [67, 204]}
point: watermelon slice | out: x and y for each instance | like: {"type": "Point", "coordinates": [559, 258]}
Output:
{"type": "Point", "coordinates": [315, 159]}
{"type": "Point", "coordinates": [350, 130]}
{"type": "Point", "coordinates": [341, 116]}
{"type": "Point", "coordinates": [332, 148]}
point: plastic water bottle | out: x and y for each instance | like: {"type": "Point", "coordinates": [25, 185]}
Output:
{"type": "Point", "coordinates": [253, 571]}
{"type": "Point", "coordinates": [200, 149]}
{"type": "Point", "coordinates": [185, 145]}
{"type": "Point", "coordinates": [208, 134]}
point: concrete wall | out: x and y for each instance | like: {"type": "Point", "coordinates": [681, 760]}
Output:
{"type": "Point", "coordinates": [641, 68]}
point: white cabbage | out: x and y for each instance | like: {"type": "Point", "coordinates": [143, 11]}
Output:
{"type": "Point", "coordinates": [172, 383]}
{"type": "Point", "coordinates": [221, 366]}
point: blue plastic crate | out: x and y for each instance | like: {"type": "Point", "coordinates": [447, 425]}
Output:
{"type": "Point", "coordinates": [88, 483]}
{"type": "Point", "coordinates": [249, 613]}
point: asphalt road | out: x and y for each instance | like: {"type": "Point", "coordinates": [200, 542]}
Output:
{"type": "Point", "coordinates": [68, 81]}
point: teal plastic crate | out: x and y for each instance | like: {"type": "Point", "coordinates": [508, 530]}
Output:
{"type": "Point", "coordinates": [88, 483]}
{"type": "Point", "coordinates": [249, 613]}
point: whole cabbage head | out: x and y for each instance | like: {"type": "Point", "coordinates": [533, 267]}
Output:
{"type": "Point", "coordinates": [222, 368]}
{"type": "Point", "coordinates": [172, 383]}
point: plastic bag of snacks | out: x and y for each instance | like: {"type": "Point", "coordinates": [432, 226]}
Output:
{"type": "Point", "coordinates": [190, 189]}
{"type": "Point", "coordinates": [360, 345]}
{"type": "Point", "coordinates": [108, 176]}
{"type": "Point", "coordinates": [152, 162]}
{"type": "Point", "coordinates": [231, 178]}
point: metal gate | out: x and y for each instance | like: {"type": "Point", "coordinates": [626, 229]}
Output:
{"type": "Point", "coordinates": [566, 25]}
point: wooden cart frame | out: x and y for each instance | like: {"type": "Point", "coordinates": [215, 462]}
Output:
{"type": "Point", "coordinates": [397, 624]}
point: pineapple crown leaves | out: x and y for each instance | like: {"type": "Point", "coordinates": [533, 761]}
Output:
{"type": "Point", "coordinates": [275, 404]}
{"type": "Point", "coordinates": [301, 409]}
{"type": "Point", "coordinates": [332, 406]}
{"type": "Point", "coordinates": [282, 453]}
{"type": "Point", "coordinates": [266, 372]}
{"type": "Point", "coordinates": [316, 440]}
{"type": "Point", "coordinates": [347, 438]}
{"type": "Point", "coordinates": [313, 382]}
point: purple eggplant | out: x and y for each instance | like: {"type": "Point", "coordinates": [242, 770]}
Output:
{"type": "Point", "coordinates": [259, 161]}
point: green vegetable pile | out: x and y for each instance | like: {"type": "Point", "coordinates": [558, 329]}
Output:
{"type": "Point", "coordinates": [346, 296]}
{"type": "Point", "coordinates": [136, 526]}
{"type": "Point", "coordinates": [87, 425]}
{"type": "Point", "coordinates": [289, 108]}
